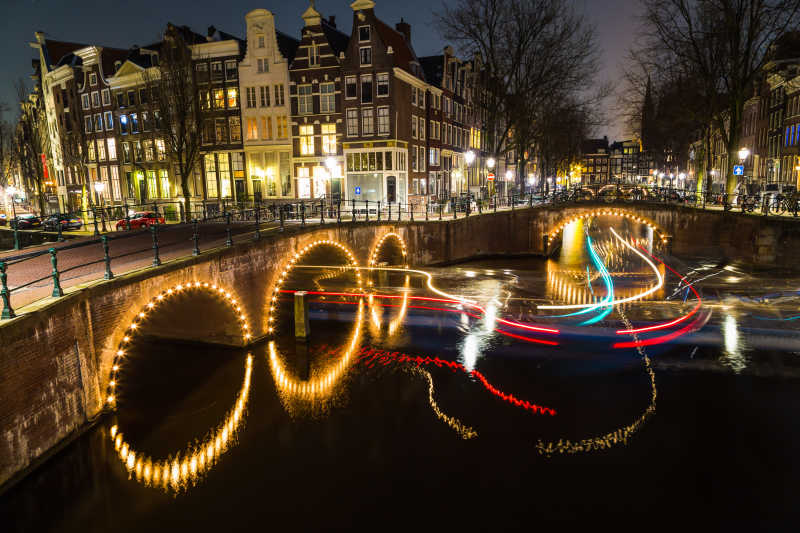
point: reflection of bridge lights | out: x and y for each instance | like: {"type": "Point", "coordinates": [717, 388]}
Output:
{"type": "Point", "coordinates": [470, 351]}
{"type": "Point", "coordinates": [465, 431]}
{"type": "Point", "coordinates": [318, 387]}
{"type": "Point", "coordinates": [373, 258]}
{"type": "Point", "coordinates": [608, 212]}
{"type": "Point", "coordinates": [150, 307]}
{"type": "Point", "coordinates": [185, 468]}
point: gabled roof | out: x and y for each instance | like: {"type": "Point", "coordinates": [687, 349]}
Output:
{"type": "Point", "coordinates": [287, 45]}
{"type": "Point", "coordinates": [403, 51]}
{"type": "Point", "coordinates": [336, 39]}
{"type": "Point", "coordinates": [433, 67]}
{"type": "Point", "coordinates": [594, 146]}
{"type": "Point", "coordinates": [55, 51]}
{"type": "Point", "coordinates": [109, 56]}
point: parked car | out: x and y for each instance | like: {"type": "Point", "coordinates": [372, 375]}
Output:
{"type": "Point", "coordinates": [142, 219]}
{"type": "Point", "coordinates": [26, 221]}
{"type": "Point", "coordinates": [66, 221]}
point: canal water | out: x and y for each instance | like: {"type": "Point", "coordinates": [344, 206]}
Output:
{"type": "Point", "coordinates": [478, 396]}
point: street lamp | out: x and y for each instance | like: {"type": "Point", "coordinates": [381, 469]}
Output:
{"type": "Point", "coordinates": [469, 158]}
{"type": "Point", "coordinates": [744, 153]}
{"type": "Point", "coordinates": [99, 187]}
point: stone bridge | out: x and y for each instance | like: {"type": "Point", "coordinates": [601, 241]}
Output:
{"type": "Point", "coordinates": [58, 357]}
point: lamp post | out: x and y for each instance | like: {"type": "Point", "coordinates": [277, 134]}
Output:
{"type": "Point", "coordinates": [744, 153]}
{"type": "Point", "coordinates": [99, 187]}
{"type": "Point", "coordinates": [682, 178]}
{"type": "Point", "coordinates": [469, 158]}
{"type": "Point", "coordinates": [490, 163]}
{"type": "Point", "coordinates": [11, 192]}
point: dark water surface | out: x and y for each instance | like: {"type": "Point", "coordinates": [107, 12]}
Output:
{"type": "Point", "coordinates": [701, 430]}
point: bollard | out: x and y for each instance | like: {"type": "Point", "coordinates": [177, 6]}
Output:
{"type": "Point", "coordinates": [511, 199]}
{"type": "Point", "coordinates": [301, 327]}
{"type": "Point", "coordinates": [106, 258]}
{"type": "Point", "coordinates": [156, 258]}
{"type": "Point", "coordinates": [8, 311]}
{"type": "Point", "coordinates": [57, 292]}
{"type": "Point", "coordinates": [16, 235]}
{"type": "Point", "coordinates": [257, 236]}
{"type": "Point", "coordinates": [302, 214]}
{"type": "Point", "coordinates": [195, 238]}
{"type": "Point", "coordinates": [205, 212]}
{"type": "Point", "coordinates": [494, 200]}
{"type": "Point", "coordinates": [229, 239]}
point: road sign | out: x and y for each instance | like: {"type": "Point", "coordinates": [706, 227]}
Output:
{"type": "Point", "coordinates": [490, 177]}
{"type": "Point", "coordinates": [738, 170]}
{"type": "Point", "coordinates": [358, 190]}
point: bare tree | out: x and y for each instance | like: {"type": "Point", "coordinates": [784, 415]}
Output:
{"type": "Point", "coordinates": [177, 117]}
{"type": "Point", "coordinates": [31, 142]}
{"type": "Point", "coordinates": [6, 145]}
{"type": "Point", "coordinates": [75, 151]}
{"type": "Point", "coordinates": [726, 44]}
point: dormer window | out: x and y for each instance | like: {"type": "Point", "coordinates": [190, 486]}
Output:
{"type": "Point", "coordinates": [363, 34]}
{"type": "Point", "coordinates": [313, 55]}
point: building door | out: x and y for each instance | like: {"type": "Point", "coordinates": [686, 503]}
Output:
{"type": "Point", "coordinates": [391, 189]}
{"type": "Point", "coordinates": [257, 190]}
{"type": "Point", "coordinates": [142, 188]}
{"type": "Point", "coordinates": [241, 191]}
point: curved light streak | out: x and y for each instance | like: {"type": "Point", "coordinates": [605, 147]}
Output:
{"type": "Point", "coordinates": [184, 469]}
{"type": "Point", "coordinates": [606, 279]}
{"type": "Point", "coordinates": [321, 386]}
{"type": "Point", "coordinates": [671, 323]}
{"type": "Point", "coordinates": [644, 294]}
{"type": "Point", "coordinates": [459, 427]}
{"type": "Point", "coordinates": [150, 307]}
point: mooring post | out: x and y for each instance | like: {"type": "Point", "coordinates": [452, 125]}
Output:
{"type": "Point", "coordinates": [301, 328]}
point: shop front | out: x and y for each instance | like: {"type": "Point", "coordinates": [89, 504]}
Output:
{"type": "Point", "coordinates": [376, 174]}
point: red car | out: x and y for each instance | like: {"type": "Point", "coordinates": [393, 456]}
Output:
{"type": "Point", "coordinates": [143, 219]}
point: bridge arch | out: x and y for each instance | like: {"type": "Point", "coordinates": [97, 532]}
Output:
{"type": "Point", "coordinates": [291, 264]}
{"type": "Point", "coordinates": [224, 295]}
{"type": "Point", "coordinates": [374, 255]}
{"type": "Point", "coordinates": [556, 230]}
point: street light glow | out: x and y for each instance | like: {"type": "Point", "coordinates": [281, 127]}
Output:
{"type": "Point", "coordinates": [490, 162]}
{"type": "Point", "coordinates": [99, 186]}
{"type": "Point", "coordinates": [469, 157]}
{"type": "Point", "coordinates": [744, 153]}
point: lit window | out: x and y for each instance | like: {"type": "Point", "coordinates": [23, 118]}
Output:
{"type": "Point", "coordinates": [352, 122]}
{"type": "Point", "coordinates": [367, 121]}
{"type": "Point", "coordinates": [233, 97]}
{"type": "Point", "coordinates": [252, 128]}
{"type": "Point", "coordinates": [307, 140]}
{"type": "Point", "coordinates": [101, 150]}
{"type": "Point", "coordinates": [266, 128]}
{"type": "Point", "coordinates": [91, 151]}
{"type": "Point", "coordinates": [109, 120]}
{"type": "Point", "coordinates": [219, 98]}
{"type": "Point", "coordinates": [112, 149]}
{"type": "Point", "coordinates": [383, 121]}
{"type": "Point", "coordinates": [123, 124]}
{"type": "Point", "coordinates": [235, 128]}
{"type": "Point", "coordinates": [161, 149]}
{"type": "Point", "coordinates": [329, 138]}
{"type": "Point", "coordinates": [283, 130]}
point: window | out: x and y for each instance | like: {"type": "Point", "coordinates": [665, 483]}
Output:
{"type": "Point", "coordinates": [221, 130]}
{"type": "Point", "coordinates": [366, 88]}
{"type": "Point", "coordinates": [327, 98]}
{"type": "Point", "coordinates": [88, 124]}
{"type": "Point", "coordinates": [413, 96]}
{"type": "Point", "coordinates": [352, 122]}
{"type": "Point", "coordinates": [313, 55]}
{"type": "Point", "coordinates": [283, 129]}
{"type": "Point", "coordinates": [233, 97]}
{"type": "Point", "coordinates": [143, 99]}
{"type": "Point", "coordinates": [365, 53]}
{"type": "Point", "coordinates": [329, 138]}
{"type": "Point", "coordinates": [101, 150]}
{"type": "Point", "coordinates": [163, 179]}
{"type": "Point", "coordinates": [123, 124]}
{"type": "Point", "coordinates": [251, 96]}
{"type": "Point", "coordinates": [92, 79]}
{"type": "Point", "coordinates": [91, 151]}
{"type": "Point", "coordinates": [106, 97]}
{"type": "Point", "coordinates": [208, 131]}
{"type": "Point", "coordinates": [120, 100]}
{"type": "Point", "coordinates": [305, 102]}
{"type": "Point", "coordinates": [350, 87]}
{"type": "Point", "coordinates": [421, 158]}
{"type": "Point", "coordinates": [131, 97]}
{"type": "Point", "coordinates": [98, 122]}
{"type": "Point", "coordinates": [205, 99]}
{"type": "Point", "coordinates": [219, 98]}
{"type": "Point", "coordinates": [434, 157]}
{"type": "Point", "coordinates": [307, 140]}
{"type": "Point", "coordinates": [363, 34]}
{"type": "Point", "coordinates": [145, 121]}
{"type": "Point", "coordinates": [161, 149]}
{"type": "Point", "coordinates": [211, 176]}
{"type": "Point", "coordinates": [95, 99]}
{"type": "Point", "coordinates": [252, 129]}
{"type": "Point", "coordinates": [383, 121]}
{"type": "Point", "coordinates": [421, 129]}
{"type": "Point", "coordinates": [266, 128]}
{"type": "Point", "coordinates": [383, 84]}
{"type": "Point", "coordinates": [112, 149]}
{"type": "Point", "coordinates": [367, 121]}
{"type": "Point", "coordinates": [126, 152]}
{"type": "Point", "coordinates": [263, 65]}
{"type": "Point", "coordinates": [413, 127]}
{"type": "Point", "coordinates": [264, 96]}
{"type": "Point", "coordinates": [216, 71]}
{"type": "Point", "coordinates": [149, 151]}
{"type": "Point", "coordinates": [109, 120]}
{"type": "Point", "coordinates": [231, 72]}
{"type": "Point", "coordinates": [236, 129]}
{"type": "Point", "coordinates": [388, 159]}
{"type": "Point", "coordinates": [260, 41]}
{"type": "Point", "coordinates": [413, 159]}
{"type": "Point", "coordinates": [85, 101]}
{"type": "Point", "coordinates": [279, 96]}
{"type": "Point", "coordinates": [116, 190]}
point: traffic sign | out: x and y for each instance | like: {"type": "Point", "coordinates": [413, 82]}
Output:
{"type": "Point", "coordinates": [490, 177]}
{"type": "Point", "coordinates": [738, 170]}
{"type": "Point", "coordinates": [358, 190]}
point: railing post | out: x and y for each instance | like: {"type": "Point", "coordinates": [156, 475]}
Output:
{"type": "Point", "coordinates": [494, 201]}
{"type": "Point", "coordinates": [8, 311]}
{"type": "Point", "coordinates": [511, 199]}
{"type": "Point", "coordinates": [440, 211]}
{"type": "Point", "coordinates": [16, 234]}
{"type": "Point", "coordinates": [339, 211]}
{"type": "Point", "coordinates": [302, 214]}
{"type": "Point", "coordinates": [480, 203]}
{"type": "Point", "coordinates": [205, 212]}
{"type": "Point", "coordinates": [321, 212]}
{"type": "Point", "coordinates": [281, 216]}
{"type": "Point", "coordinates": [366, 211]}
{"type": "Point", "coordinates": [379, 210]}
{"type": "Point", "coordinates": [57, 292]}
{"type": "Point", "coordinates": [60, 230]}
{"type": "Point", "coordinates": [94, 219]}
{"type": "Point", "coordinates": [390, 211]}
{"type": "Point", "coordinates": [455, 211]}
{"type": "Point", "coordinates": [195, 238]}
{"type": "Point", "coordinates": [156, 258]}
{"type": "Point", "coordinates": [427, 208]}
{"type": "Point", "coordinates": [257, 236]}
{"type": "Point", "coordinates": [229, 239]}
{"type": "Point", "coordinates": [107, 259]}
{"type": "Point", "coordinates": [353, 210]}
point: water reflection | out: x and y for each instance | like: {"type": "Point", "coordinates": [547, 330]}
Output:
{"type": "Point", "coordinates": [185, 469]}
{"type": "Point", "coordinates": [733, 351]}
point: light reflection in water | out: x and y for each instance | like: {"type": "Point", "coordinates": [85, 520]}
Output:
{"type": "Point", "coordinates": [185, 469]}
{"type": "Point", "coordinates": [462, 429]}
{"type": "Point", "coordinates": [733, 352]}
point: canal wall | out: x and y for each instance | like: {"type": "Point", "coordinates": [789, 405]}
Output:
{"type": "Point", "coordinates": [56, 357]}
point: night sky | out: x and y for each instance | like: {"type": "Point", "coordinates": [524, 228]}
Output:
{"type": "Point", "coordinates": [123, 23]}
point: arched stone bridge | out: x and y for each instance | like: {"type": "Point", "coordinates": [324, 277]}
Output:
{"type": "Point", "coordinates": [57, 361]}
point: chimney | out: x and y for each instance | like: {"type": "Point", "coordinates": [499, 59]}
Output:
{"type": "Point", "coordinates": [332, 21]}
{"type": "Point", "coordinates": [404, 28]}
{"type": "Point", "coordinates": [211, 31]}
